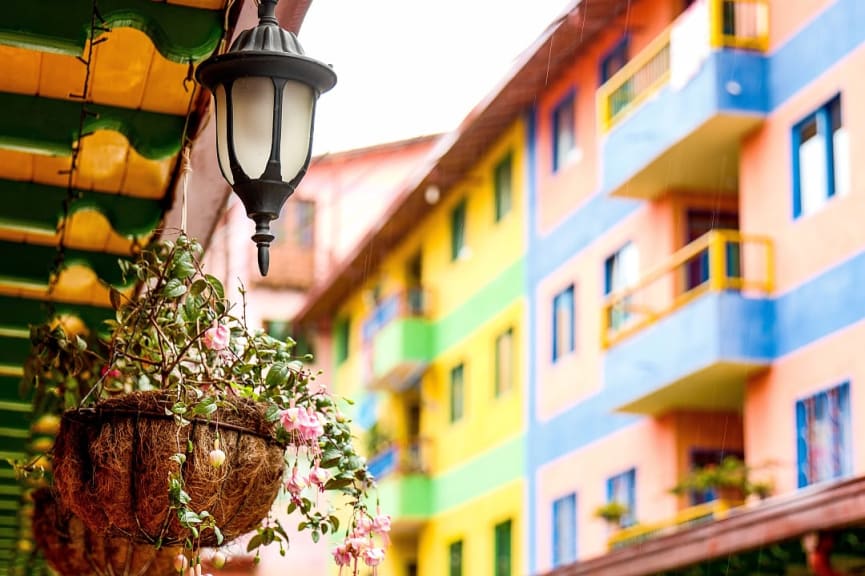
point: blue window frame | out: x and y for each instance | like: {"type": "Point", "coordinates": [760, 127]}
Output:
{"type": "Point", "coordinates": [565, 530]}
{"type": "Point", "coordinates": [564, 131]}
{"type": "Point", "coordinates": [564, 338]}
{"type": "Point", "coordinates": [621, 488]}
{"type": "Point", "coordinates": [821, 158]}
{"type": "Point", "coordinates": [823, 428]}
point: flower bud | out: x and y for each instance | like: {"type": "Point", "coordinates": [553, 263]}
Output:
{"type": "Point", "coordinates": [219, 560]}
{"type": "Point", "coordinates": [217, 458]}
{"type": "Point", "coordinates": [180, 563]}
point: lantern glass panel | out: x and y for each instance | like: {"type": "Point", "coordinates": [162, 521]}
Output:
{"type": "Point", "coordinates": [252, 100]}
{"type": "Point", "coordinates": [297, 106]}
{"type": "Point", "coordinates": [222, 133]}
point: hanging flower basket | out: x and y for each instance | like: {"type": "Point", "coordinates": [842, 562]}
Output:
{"type": "Point", "coordinates": [112, 461]}
{"type": "Point", "coordinates": [73, 550]}
{"type": "Point", "coordinates": [180, 425]}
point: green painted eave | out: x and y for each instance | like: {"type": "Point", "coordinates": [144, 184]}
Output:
{"type": "Point", "coordinates": [33, 264]}
{"type": "Point", "coordinates": [19, 313]}
{"type": "Point", "coordinates": [50, 126]}
{"type": "Point", "coordinates": [33, 206]}
{"type": "Point", "coordinates": [407, 497]}
{"type": "Point", "coordinates": [404, 340]}
{"type": "Point", "coordinates": [179, 33]}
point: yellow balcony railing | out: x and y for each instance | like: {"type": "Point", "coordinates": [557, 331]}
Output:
{"type": "Point", "coordinates": [742, 24]}
{"type": "Point", "coordinates": [717, 261]}
{"type": "Point", "coordinates": [692, 516]}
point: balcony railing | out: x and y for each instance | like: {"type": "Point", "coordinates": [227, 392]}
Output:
{"type": "Point", "coordinates": [717, 261]}
{"type": "Point", "coordinates": [403, 458]}
{"type": "Point", "coordinates": [742, 24]}
{"type": "Point", "coordinates": [688, 517]}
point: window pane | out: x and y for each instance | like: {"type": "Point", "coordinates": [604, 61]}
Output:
{"type": "Point", "coordinates": [503, 549]}
{"type": "Point", "coordinates": [456, 558]}
{"type": "Point", "coordinates": [457, 393]}
{"type": "Point", "coordinates": [504, 362]}
{"type": "Point", "coordinates": [564, 139]}
{"type": "Point", "coordinates": [304, 219]}
{"type": "Point", "coordinates": [823, 447]}
{"type": "Point", "coordinates": [503, 192]}
{"type": "Point", "coordinates": [812, 168]}
{"type": "Point", "coordinates": [563, 323]}
{"type": "Point", "coordinates": [458, 230]}
{"type": "Point", "coordinates": [565, 530]}
{"type": "Point", "coordinates": [841, 161]}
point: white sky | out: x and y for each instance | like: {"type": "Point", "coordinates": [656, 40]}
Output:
{"type": "Point", "coordinates": [412, 67]}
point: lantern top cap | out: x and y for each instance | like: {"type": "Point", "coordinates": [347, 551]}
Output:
{"type": "Point", "coordinates": [267, 50]}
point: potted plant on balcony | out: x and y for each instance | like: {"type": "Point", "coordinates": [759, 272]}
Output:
{"type": "Point", "coordinates": [179, 427]}
{"type": "Point", "coordinates": [613, 512]}
{"type": "Point", "coordinates": [730, 481]}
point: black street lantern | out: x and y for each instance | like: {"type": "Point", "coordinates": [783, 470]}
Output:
{"type": "Point", "coordinates": [265, 91]}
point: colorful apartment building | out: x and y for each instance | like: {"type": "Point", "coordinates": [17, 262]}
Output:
{"type": "Point", "coordinates": [428, 320]}
{"type": "Point", "coordinates": [678, 285]}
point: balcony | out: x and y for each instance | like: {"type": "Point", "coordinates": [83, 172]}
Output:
{"type": "Point", "coordinates": [405, 489]}
{"type": "Point", "coordinates": [690, 332]}
{"type": "Point", "coordinates": [674, 116]}
{"type": "Point", "coordinates": [687, 518]}
{"type": "Point", "coordinates": [397, 341]}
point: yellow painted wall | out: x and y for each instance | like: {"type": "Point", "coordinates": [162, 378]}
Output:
{"type": "Point", "coordinates": [487, 420]}
{"type": "Point", "coordinates": [474, 524]}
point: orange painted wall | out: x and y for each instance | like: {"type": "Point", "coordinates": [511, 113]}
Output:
{"type": "Point", "coordinates": [657, 448]}
{"type": "Point", "coordinates": [770, 418]}
{"type": "Point", "coordinates": [562, 192]}
{"type": "Point", "coordinates": [808, 245]}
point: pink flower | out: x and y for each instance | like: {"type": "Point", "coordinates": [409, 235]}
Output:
{"type": "Point", "coordinates": [288, 418]}
{"type": "Point", "coordinates": [381, 524]}
{"type": "Point", "coordinates": [216, 337]}
{"type": "Point", "coordinates": [310, 425]}
{"type": "Point", "coordinates": [357, 544]}
{"type": "Point", "coordinates": [373, 556]}
{"type": "Point", "coordinates": [363, 525]}
{"type": "Point", "coordinates": [296, 483]}
{"type": "Point", "coordinates": [319, 477]}
{"type": "Point", "coordinates": [109, 374]}
{"type": "Point", "coordinates": [341, 555]}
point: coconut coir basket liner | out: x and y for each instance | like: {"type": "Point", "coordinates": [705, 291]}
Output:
{"type": "Point", "coordinates": [112, 463]}
{"type": "Point", "coordinates": [73, 550]}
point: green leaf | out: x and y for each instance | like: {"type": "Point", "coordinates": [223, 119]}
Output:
{"type": "Point", "coordinates": [115, 297]}
{"type": "Point", "coordinates": [337, 483]}
{"type": "Point", "coordinates": [291, 507]}
{"type": "Point", "coordinates": [198, 287]}
{"type": "Point", "coordinates": [216, 285]}
{"type": "Point", "coordinates": [277, 375]}
{"type": "Point", "coordinates": [206, 407]}
{"type": "Point", "coordinates": [315, 536]}
{"type": "Point", "coordinates": [188, 517]}
{"type": "Point", "coordinates": [183, 266]}
{"type": "Point", "coordinates": [179, 408]}
{"type": "Point", "coordinates": [254, 543]}
{"type": "Point", "coordinates": [174, 288]}
{"type": "Point", "coordinates": [272, 413]}
{"type": "Point", "coordinates": [330, 458]}
{"type": "Point", "coordinates": [219, 536]}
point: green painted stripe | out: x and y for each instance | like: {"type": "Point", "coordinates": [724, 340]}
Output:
{"type": "Point", "coordinates": [180, 33]}
{"type": "Point", "coordinates": [32, 206]}
{"type": "Point", "coordinates": [32, 265]}
{"type": "Point", "coordinates": [13, 351]}
{"type": "Point", "coordinates": [479, 476]}
{"type": "Point", "coordinates": [480, 307]}
{"type": "Point", "coordinates": [19, 313]}
{"type": "Point", "coordinates": [50, 126]}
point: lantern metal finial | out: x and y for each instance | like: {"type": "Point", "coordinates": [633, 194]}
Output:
{"type": "Point", "coordinates": [264, 159]}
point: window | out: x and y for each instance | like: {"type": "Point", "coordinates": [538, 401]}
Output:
{"type": "Point", "coordinates": [621, 271]}
{"type": "Point", "coordinates": [304, 223]}
{"type": "Point", "coordinates": [455, 558]}
{"type": "Point", "coordinates": [615, 59]}
{"type": "Point", "coordinates": [565, 530]}
{"type": "Point", "coordinates": [502, 182]}
{"type": "Point", "coordinates": [821, 159]}
{"type": "Point", "coordinates": [457, 392]}
{"type": "Point", "coordinates": [621, 488]}
{"type": "Point", "coordinates": [504, 362]}
{"type": "Point", "coordinates": [564, 132]}
{"type": "Point", "coordinates": [458, 230]}
{"type": "Point", "coordinates": [343, 331]}
{"type": "Point", "coordinates": [503, 549]}
{"type": "Point", "coordinates": [563, 323]}
{"type": "Point", "coordinates": [824, 441]}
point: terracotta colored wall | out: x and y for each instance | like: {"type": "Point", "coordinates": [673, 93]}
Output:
{"type": "Point", "coordinates": [561, 192]}
{"type": "Point", "coordinates": [657, 448]}
{"type": "Point", "coordinates": [808, 245]}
